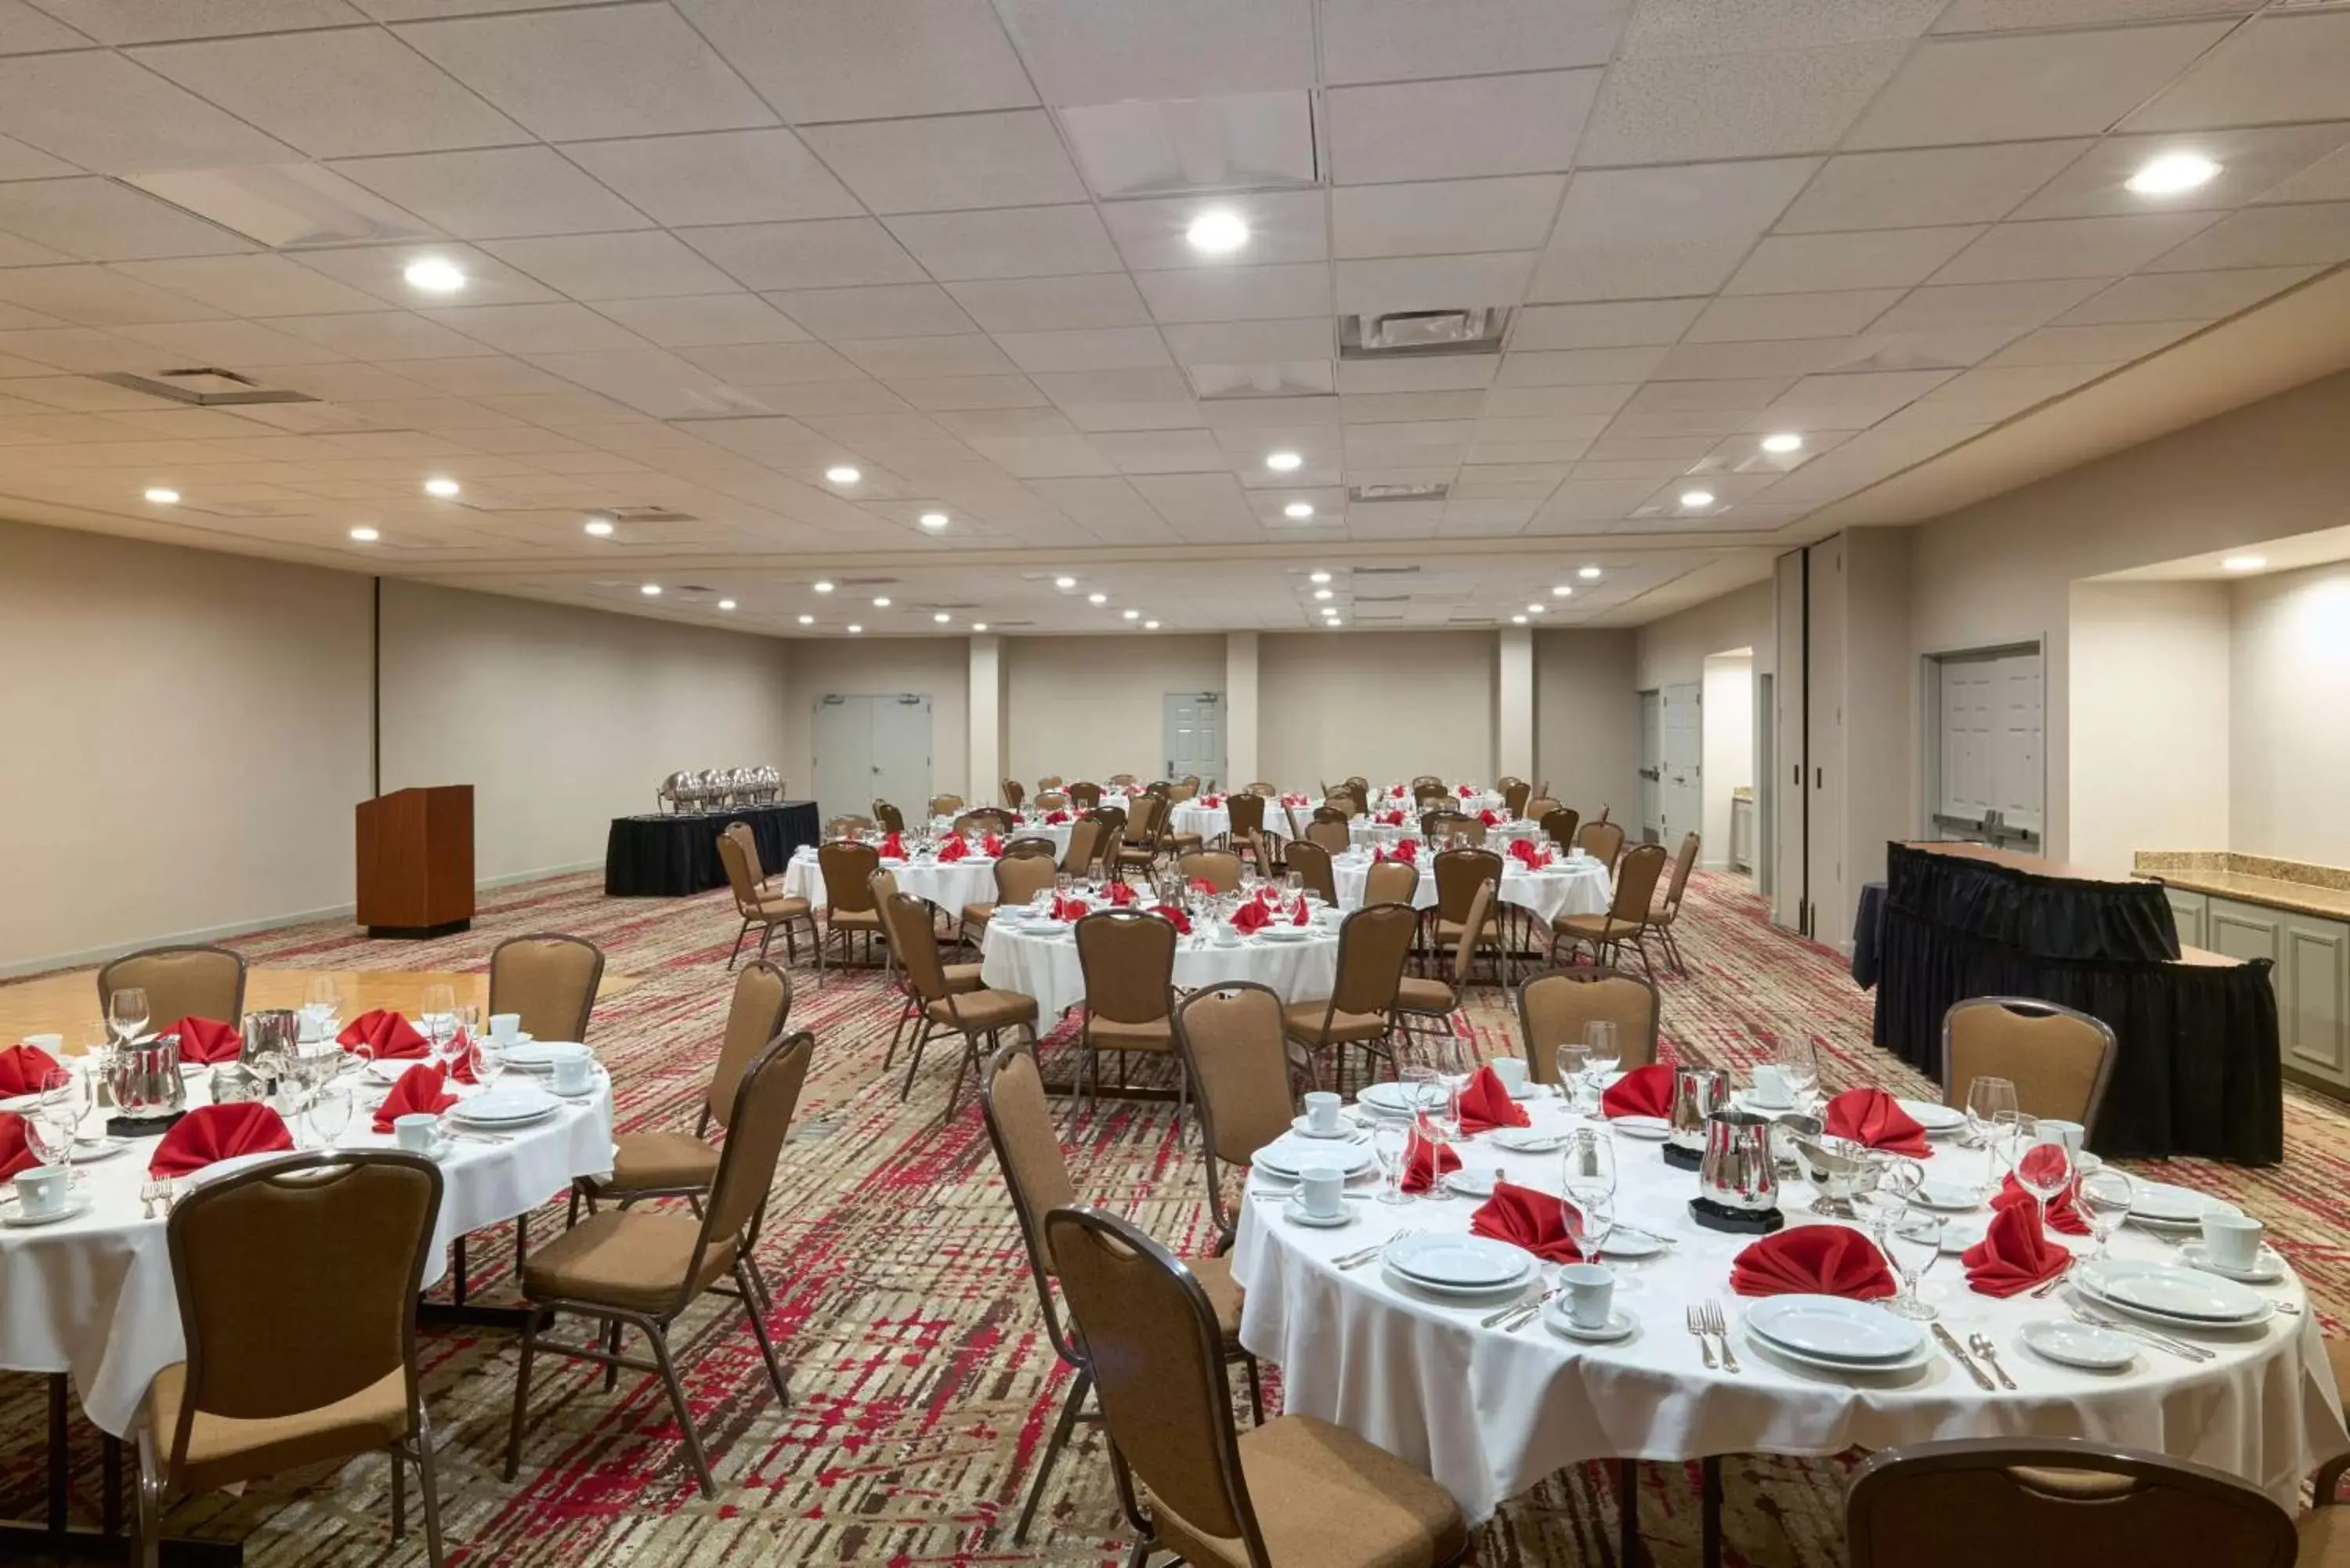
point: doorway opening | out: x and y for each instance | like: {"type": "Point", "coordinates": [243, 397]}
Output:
{"type": "Point", "coordinates": [1986, 750]}
{"type": "Point", "coordinates": [1193, 726]}
{"type": "Point", "coordinates": [870, 748]}
{"type": "Point", "coordinates": [1728, 823]}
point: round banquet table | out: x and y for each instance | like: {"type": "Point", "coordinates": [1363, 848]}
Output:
{"type": "Point", "coordinates": [1368, 832]}
{"type": "Point", "coordinates": [93, 1296]}
{"type": "Point", "coordinates": [1488, 1413]}
{"type": "Point", "coordinates": [1580, 886]}
{"type": "Point", "coordinates": [949, 884]}
{"type": "Point", "coordinates": [1044, 965]}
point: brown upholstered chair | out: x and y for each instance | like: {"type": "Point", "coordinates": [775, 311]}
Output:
{"type": "Point", "coordinates": [1149, 1326]}
{"type": "Point", "coordinates": [1558, 1006]}
{"type": "Point", "coordinates": [959, 976]}
{"type": "Point", "coordinates": [1123, 781]}
{"type": "Point", "coordinates": [768, 909]}
{"type": "Point", "coordinates": [180, 981]}
{"type": "Point", "coordinates": [1391, 882]}
{"type": "Point", "coordinates": [2060, 1061]}
{"type": "Point", "coordinates": [312, 1357]}
{"type": "Point", "coordinates": [1050, 799]}
{"type": "Point", "coordinates": [1085, 847]}
{"type": "Point", "coordinates": [641, 1268]}
{"type": "Point", "coordinates": [849, 826]}
{"type": "Point", "coordinates": [1219, 867]}
{"type": "Point", "coordinates": [1107, 815]}
{"type": "Point", "coordinates": [973, 1014]}
{"type": "Point", "coordinates": [1426, 780]}
{"type": "Point", "coordinates": [1458, 874]}
{"type": "Point", "coordinates": [1667, 910]}
{"type": "Point", "coordinates": [849, 912]}
{"type": "Point", "coordinates": [1626, 919]}
{"type": "Point", "coordinates": [1373, 943]}
{"type": "Point", "coordinates": [1359, 786]}
{"type": "Point", "coordinates": [1441, 826]}
{"type": "Point", "coordinates": [1602, 840]}
{"type": "Point", "coordinates": [1244, 823]}
{"type": "Point", "coordinates": [1332, 837]}
{"type": "Point", "coordinates": [1311, 861]}
{"type": "Point", "coordinates": [2038, 1501]}
{"type": "Point", "coordinates": [1244, 1085]}
{"type": "Point", "coordinates": [550, 980]}
{"type": "Point", "coordinates": [945, 805]}
{"type": "Point", "coordinates": [1558, 823]}
{"type": "Point", "coordinates": [665, 1163]}
{"type": "Point", "coordinates": [1419, 997]}
{"type": "Point", "coordinates": [1019, 876]}
{"type": "Point", "coordinates": [1049, 781]}
{"type": "Point", "coordinates": [1514, 795]}
{"type": "Point", "coordinates": [1337, 809]}
{"type": "Point", "coordinates": [1032, 844]}
{"type": "Point", "coordinates": [1141, 850]}
{"type": "Point", "coordinates": [1128, 959]}
{"type": "Point", "coordinates": [1431, 797]}
{"type": "Point", "coordinates": [1265, 791]}
{"type": "Point", "coordinates": [1084, 794]}
{"type": "Point", "coordinates": [1028, 1151]}
{"type": "Point", "coordinates": [890, 817]}
{"type": "Point", "coordinates": [1015, 792]}
{"type": "Point", "coordinates": [742, 833]}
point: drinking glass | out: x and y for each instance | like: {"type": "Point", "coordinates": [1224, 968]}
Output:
{"type": "Point", "coordinates": [1987, 1099]}
{"type": "Point", "coordinates": [1571, 1075]}
{"type": "Point", "coordinates": [322, 999]}
{"type": "Point", "coordinates": [1391, 1141]}
{"type": "Point", "coordinates": [2043, 1166]}
{"type": "Point", "coordinates": [1601, 1051]}
{"type": "Point", "coordinates": [48, 1137]}
{"type": "Point", "coordinates": [1061, 883]}
{"type": "Point", "coordinates": [489, 1061]}
{"type": "Point", "coordinates": [126, 1014]}
{"type": "Point", "coordinates": [2104, 1197]}
{"type": "Point", "coordinates": [1426, 1093]}
{"type": "Point", "coordinates": [1588, 1183]}
{"type": "Point", "coordinates": [1294, 883]}
{"type": "Point", "coordinates": [1590, 1218]}
{"type": "Point", "coordinates": [330, 1113]}
{"type": "Point", "coordinates": [438, 1016]}
{"type": "Point", "coordinates": [1799, 1063]}
{"type": "Point", "coordinates": [66, 1101]}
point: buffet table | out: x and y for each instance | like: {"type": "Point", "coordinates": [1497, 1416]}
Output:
{"type": "Point", "coordinates": [666, 856]}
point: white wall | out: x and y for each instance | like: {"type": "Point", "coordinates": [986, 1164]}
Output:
{"type": "Point", "coordinates": [2148, 669]}
{"type": "Point", "coordinates": [1727, 741]}
{"type": "Point", "coordinates": [1588, 720]}
{"type": "Point", "coordinates": [938, 667]}
{"type": "Point", "coordinates": [1673, 649]}
{"type": "Point", "coordinates": [1385, 704]}
{"type": "Point", "coordinates": [2289, 717]}
{"type": "Point", "coordinates": [1088, 707]}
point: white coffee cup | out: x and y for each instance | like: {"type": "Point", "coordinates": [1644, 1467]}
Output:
{"type": "Point", "coordinates": [505, 1025]}
{"type": "Point", "coordinates": [1322, 1190]}
{"type": "Point", "coordinates": [2069, 1134]}
{"type": "Point", "coordinates": [1511, 1071]}
{"type": "Point", "coordinates": [1770, 1086]}
{"type": "Point", "coordinates": [41, 1190]}
{"type": "Point", "coordinates": [573, 1070]}
{"type": "Point", "coordinates": [54, 1045]}
{"type": "Point", "coordinates": [1321, 1111]}
{"type": "Point", "coordinates": [416, 1132]}
{"type": "Point", "coordinates": [2231, 1241]}
{"type": "Point", "coordinates": [1590, 1293]}
{"type": "Point", "coordinates": [1227, 934]}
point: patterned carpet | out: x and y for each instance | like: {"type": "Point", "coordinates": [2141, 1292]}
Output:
{"type": "Point", "coordinates": [923, 1382]}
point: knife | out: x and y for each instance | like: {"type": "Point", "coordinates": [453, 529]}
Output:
{"type": "Point", "coordinates": [1959, 1355]}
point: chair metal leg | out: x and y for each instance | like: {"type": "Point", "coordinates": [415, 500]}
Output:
{"type": "Point", "coordinates": [428, 1483]}
{"type": "Point", "coordinates": [1627, 1512]}
{"type": "Point", "coordinates": [399, 1493]}
{"type": "Point", "coordinates": [521, 1394]}
{"type": "Point", "coordinates": [612, 1343]}
{"type": "Point", "coordinates": [700, 1460]}
{"type": "Point", "coordinates": [737, 952]}
{"type": "Point", "coordinates": [1256, 1389]}
{"type": "Point", "coordinates": [750, 1309]}
{"type": "Point", "coordinates": [147, 1544]}
{"type": "Point", "coordinates": [1140, 1556]}
{"type": "Point", "coordinates": [905, 1014]}
{"type": "Point", "coordinates": [914, 1059]}
{"type": "Point", "coordinates": [1710, 1512]}
{"type": "Point", "coordinates": [1079, 1386]}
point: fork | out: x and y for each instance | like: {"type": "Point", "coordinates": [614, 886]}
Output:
{"type": "Point", "coordinates": [2147, 1336]}
{"type": "Point", "coordinates": [1696, 1326]}
{"type": "Point", "coordinates": [1713, 1320]}
{"type": "Point", "coordinates": [1356, 1260]}
{"type": "Point", "coordinates": [149, 1192]}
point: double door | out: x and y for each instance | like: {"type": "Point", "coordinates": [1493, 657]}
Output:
{"type": "Point", "coordinates": [869, 748]}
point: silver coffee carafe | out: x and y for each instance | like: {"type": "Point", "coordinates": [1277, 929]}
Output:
{"type": "Point", "coordinates": [1738, 1172]}
{"type": "Point", "coordinates": [144, 1079]}
{"type": "Point", "coordinates": [270, 1031]}
{"type": "Point", "coordinates": [1696, 1092]}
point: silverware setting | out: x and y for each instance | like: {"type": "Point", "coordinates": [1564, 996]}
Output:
{"type": "Point", "coordinates": [2042, 1291]}
{"type": "Point", "coordinates": [2145, 1336]}
{"type": "Point", "coordinates": [1715, 1321]}
{"type": "Point", "coordinates": [1704, 1344]}
{"type": "Point", "coordinates": [1950, 1343]}
{"type": "Point", "coordinates": [1517, 1315]}
{"type": "Point", "coordinates": [164, 1194]}
{"type": "Point", "coordinates": [1981, 1345]}
{"type": "Point", "coordinates": [1705, 1320]}
{"type": "Point", "coordinates": [1356, 1260]}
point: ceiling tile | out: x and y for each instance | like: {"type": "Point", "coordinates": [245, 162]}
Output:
{"type": "Point", "coordinates": [867, 59]}
{"type": "Point", "coordinates": [1445, 216]}
{"type": "Point", "coordinates": [718, 177]}
{"type": "Point", "coordinates": [1251, 342]}
{"type": "Point", "coordinates": [1991, 392]}
{"type": "Point", "coordinates": [1581, 368]}
{"type": "Point", "coordinates": [1461, 128]}
{"type": "Point", "coordinates": [112, 117]}
{"type": "Point", "coordinates": [694, 320]}
{"type": "Point", "coordinates": [339, 94]}
{"type": "Point", "coordinates": [1783, 356]}
{"type": "Point", "coordinates": [1821, 315]}
{"type": "Point", "coordinates": [96, 296]}
{"type": "Point", "coordinates": [1926, 185]}
{"type": "Point", "coordinates": [894, 310]}
{"type": "Point", "coordinates": [1662, 28]}
{"type": "Point", "coordinates": [966, 354]}
{"type": "Point", "coordinates": [1006, 160]}
{"type": "Point", "coordinates": [495, 193]}
{"type": "Point", "coordinates": [1617, 324]}
{"type": "Point", "coordinates": [1734, 106]}
{"type": "Point", "coordinates": [2071, 247]}
{"type": "Point", "coordinates": [98, 219]}
{"type": "Point", "coordinates": [1162, 452]}
{"type": "Point", "coordinates": [1083, 52]}
{"type": "Point", "coordinates": [1239, 140]}
{"type": "Point", "coordinates": [1838, 401]}
{"type": "Point", "coordinates": [24, 31]}
{"type": "Point", "coordinates": [232, 343]}
{"type": "Point", "coordinates": [2010, 88]}
{"type": "Point", "coordinates": [395, 335]}
{"type": "Point", "coordinates": [611, 70]}
{"type": "Point", "coordinates": [1014, 242]}
{"type": "Point", "coordinates": [1101, 348]}
{"type": "Point", "coordinates": [2265, 236]}
{"type": "Point", "coordinates": [1042, 457]}
{"type": "Point", "coordinates": [2327, 179]}
{"type": "Point", "coordinates": [1283, 226]}
{"type": "Point", "coordinates": [1629, 234]}
{"type": "Point", "coordinates": [1394, 40]}
{"type": "Point", "coordinates": [1872, 258]}
{"type": "Point", "coordinates": [18, 162]}
{"type": "Point", "coordinates": [1236, 294]}
{"type": "Point", "coordinates": [2016, 305]}
{"type": "Point", "coordinates": [2251, 162]}
{"type": "Point", "coordinates": [380, 271]}
{"type": "Point", "coordinates": [256, 285]}
{"type": "Point", "coordinates": [2275, 69]}
{"type": "Point", "coordinates": [1433, 283]}
{"type": "Point", "coordinates": [772, 364]}
{"type": "Point", "coordinates": [1049, 304]}
{"type": "Point", "coordinates": [956, 392]}
{"type": "Point", "coordinates": [822, 253]}
{"type": "Point", "coordinates": [536, 329]}
{"type": "Point", "coordinates": [2177, 295]}
{"type": "Point", "coordinates": [613, 266]}
{"type": "Point", "coordinates": [1999, 16]}
{"type": "Point", "coordinates": [152, 21]}
{"type": "Point", "coordinates": [483, 376]}
{"type": "Point", "coordinates": [2093, 344]}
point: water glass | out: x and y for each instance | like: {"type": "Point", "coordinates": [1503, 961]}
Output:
{"type": "Point", "coordinates": [2104, 1197]}
{"type": "Point", "coordinates": [2043, 1166]}
{"type": "Point", "coordinates": [126, 1014]}
{"type": "Point", "coordinates": [329, 1113]}
{"type": "Point", "coordinates": [322, 999]}
{"type": "Point", "coordinates": [438, 1016]}
{"type": "Point", "coordinates": [1601, 1050]}
{"type": "Point", "coordinates": [1989, 1100]}
{"type": "Point", "coordinates": [1799, 1064]}
{"type": "Point", "coordinates": [1391, 1141]}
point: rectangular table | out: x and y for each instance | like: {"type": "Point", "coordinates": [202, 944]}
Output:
{"type": "Point", "coordinates": [666, 856]}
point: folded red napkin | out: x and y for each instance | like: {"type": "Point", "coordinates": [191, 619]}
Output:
{"type": "Point", "coordinates": [1813, 1260]}
{"type": "Point", "coordinates": [1120, 893]}
{"type": "Point", "coordinates": [205, 1039]}
{"type": "Point", "coordinates": [1301, 915]}
{"type": "Point", "coordinates": [1251, 917]}
{"type": "Point", "coordinates": [1874, 1118]}
{"type": "Point", "coordinates": [464, 1051]}
{"type": "Point", "coordinates": [1523, 852]}
{"type": "Point", "coordinates": [1055, 818]}
{"type": "Point", "coordinates": [1211, 801]}
{"type": "Point", "coordinates": [1525, 1218]}
{"type": "Point", "coordinates": [15, 1153]}
{"type": "Point", "coordinates": [1269, 896]}
{"type": "Point", "coordinates": [1202, 885]}
{"type": "Point", "coordinates": [954, 849]}
{"type": "Point", "coordinates": [1174, 916]}
{"type": "Point", "coordinates": [892, 846]}
{"type": "Point", "coordinates": [421, 1090]}
{"type": "Point", "coordinates": [1391, 818]}
{"type": "Point", "coordinates": [1067, 908]}
{"type": "Point", "coordinates": [1466, 792]}
{"type": "Point", "coordinates": [22, 1068]}
{"type": "Point", "coordinates": [2062, 1214]}
{"type": "Point", "coordinates": [2014, 1254]}
{"type": "Point", "coordinates": [210, 1133]}
{"type": "Point", "coordinates": [384, 1033]}
{"type": "Point", "coordinates": [992, 846]}
{"type": "Point", "coordinates": [1406, 850]}
{"type": "Point", "coordinates": [1642, 1092]}
{"type": "Point", "coordinates": [1293, 800]}
{"type": "Point", "coordinates": [1424, 1161]}
{"type": "Point", "coordinates": [1485, 1105]}
{"type": "Point", "coordinates": [1492, 818]}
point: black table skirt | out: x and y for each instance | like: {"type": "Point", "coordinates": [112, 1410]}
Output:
{"type": "Point", "coordinates": [2198, 1072]}
{"type": "Point", "coordinates": [670, 856]}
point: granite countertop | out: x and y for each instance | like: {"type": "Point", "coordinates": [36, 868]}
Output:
{"type": "Point", "coordinates": [2301, 887]}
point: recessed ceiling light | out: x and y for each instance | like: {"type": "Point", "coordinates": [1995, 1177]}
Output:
{"type": "Point", "coordinates": [1694, 498]}
{"type": "Point", "coordinates": [942, 617]}
{"type": "Point", "coordinates": [1150, 626]}
{"type": "Point", "coordinates": [1321, 593]}
{"type": "Point", "coordinates": [1298, 509]}
{"type": "Point", "coordinates": [651, 591]}
{"type": "Point", "coordinates": [979, 625]}
{"type": "Point", "coordinates": [366, 535]}
{"type": "Point", "coordinates": [434, 275]}
{"type": "Point", "coordinates": [1065, 582]}
{"type": "Point", "coordinates": [161, 496]}
{"type": "Point", "coordinates": [2245, 563]}
{"type": "Point", "coordinates": [1134, 615]}
{"type": "Point", "coordinates": [841, 473]}
{"type": "Point", "coordinates": [934, 519]}
{"type": "Point", "coordinates": [1218, 233]}
{"type": "Point", "coordinates": [1284, 462]}
{"type": "Point", "coordinates": [600, 526]}
{"type": "Point", "coordinates": [1589, 574]}
{"type": "Point", "coordinates": [725, 604]}
{"type": "Point", "coordinates": [443, 488]}
{"type": "Point", "coordinates": [1784, 440]}
{"type": "Point", "coordinates": [1096, 598]}
{"type": "Point", "coordinates": [807, 620]}
{"type": "Point", "coordinates": [855, 627]}
{"type": "Point", "coordinates": [883, 602]}
{"type": "Point", "coordinates": [822, 587]}
{"type": "Point", "coordinates": [2171, 173]}
{"type": "Point", "coordinates": [1319, 577]}
{"type": "Point", "coordinates": [1517, 620]}
{"type": "Point", "coordinates": [1537, 608]}
{"type": "Point", "coordinates": [1561, 591]}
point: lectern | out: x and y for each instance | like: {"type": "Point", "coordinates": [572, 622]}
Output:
{"type": "Point", "coordinates": [416, 862]}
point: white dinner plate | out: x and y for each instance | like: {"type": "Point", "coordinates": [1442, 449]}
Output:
{"type": "Point", "coordinates": [20, 1102]}
{"type": "Point", "coordinates": [1654, 1129]}
{"type": "Point", "coordinates": [1899, 1366]}
{"type": "Point", "coordinates": [1459, 1262]}
{"type": "Point", "coordinates": [1746, 1101]}
{"type": "Point", "coordinates": [1473, 1183]}
{"type": "Point", "coordinates": [535, 1056]}
{"type": "Point", "coordinates": [1959, 1232]}
{"type": "Point", "coordinates": [2159, 1203]}
{"type": "Point", "coordinates": [2070, 1344]}
{"type": "Point", "coordinates": [2165, 1290]}
{"type": "Point", "coordinates": [1833, 1330]}
{"type": "Point", "coordinates": [1388, 1098]}
{"type": "Point", "coordinates": [505, 1105]}
{"type": "Point", "coordinates": [87, 1149]}
{"type": "Point", "coordinates": [2267, 1269]}
{"type": "Point", "coordinates": [1529, 1140]}
{"type": "Point", "coordinates": [1289, 1153]}
{"type": "Point", "coordinates": [1286, 933]}
{"type": "Point", "coordinates": [1530, 1090]}
{"type": "Point", "coordinates": [1344, 1132]}
{"type": "Point", "coordinates": [1635, 1244]}
{"type": "Point", "coordinates": [1935, 1117]}
{"type": "Point", "coordinates": [1950, 1197]}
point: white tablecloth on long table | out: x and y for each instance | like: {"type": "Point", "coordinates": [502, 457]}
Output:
{"type": "Point", "coordinates": [1490, 1413]}
{"type": "Point", "coordinates": [949, 884]}
{"type": "Point", "coordinates": [1579, 886]}
{"type": "Point", "coordinates": [1045, 966]}
{"type": "Point", "coordinates": [94, 1296]}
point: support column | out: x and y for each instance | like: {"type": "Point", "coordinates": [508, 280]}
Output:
{"type": "Point", "coordinates": [1514, 704]}
{"type": "Point", "coordinates": [986, 719]}
{"type": "Point", "coordinates": [1241, 762]}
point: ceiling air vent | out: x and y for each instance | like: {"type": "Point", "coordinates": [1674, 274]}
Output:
{"type": "Point", "coordinates": [1365, 494]}
{"type": "Point", "coordinates": [1414, 334]}
{"type": "Point", "coordinates": [648, 515]}
{"type": "Point", "coordinates": [1361, 572]}
{"type": "Point", "coordinates": [205, 387]}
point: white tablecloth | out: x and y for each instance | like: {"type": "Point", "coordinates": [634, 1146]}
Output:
{"type": "Point", "coordinates": [94, 1296]}
{"type": "Point", "coordinates": [949, 885]}
{"type": "Point", "coordinates": [1577, 887]}
{"type": "Point", "coordinates": [1488, 1413]}
{"type": "Point", "coordinates": [1046, 967]}
{"type": "Point", "coordinates": [1368, 832]}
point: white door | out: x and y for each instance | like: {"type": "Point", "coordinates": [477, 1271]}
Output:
{"type": "Point", "coordinates": [901, 752]}
{"type": "Point", "coordinates": [1991, 748]}
{"type": "Point", "coordinates": [1651, 819]}
{"type": "Point", "coordinates": [1195, 736]}
{"type": "Point", "coordinates": [1684, 721]}
{"type": "Point", "coordinates": [869, 748]}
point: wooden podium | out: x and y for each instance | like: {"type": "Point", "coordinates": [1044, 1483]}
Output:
{"type": "Point", "coordinates": [416, 862]}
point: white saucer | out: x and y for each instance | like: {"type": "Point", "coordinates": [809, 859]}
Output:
{"type": "Point", "coordinates": [1471, 1183]}
{"type": "Point", "coordinates": [17, 1220]}
{"type": "Point", "coordinates": [1946, 1197]}
{"type": "Point", "coordinates": [1530, 1090]}
{"type": "Point", "coordinates": [2266, 1270]}
{"type": "Point", "coordinates": [87, 1150]}
{"type": "Point", "coordinates": [2070, 1344]}
{"type": "Point", "coordinates": [1619, 1325]}
{"type": "Point", "coordinates": [1629, 1244]}
{"type": "Point", "coordinates": [1407, 1283]}
{"type": "Point", "coordinates": [1654, 1129]}
{"type": "Point", "coordinates": [1919, 1357]}
{"type": "Point", "coordinates": [1528, 1140]}
{"type": "Point", "coordinates": [1294, 1211]}
{"type": "Point", "coordinates": [1344, 1133]}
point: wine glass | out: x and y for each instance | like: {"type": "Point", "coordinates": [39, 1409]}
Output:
{"type": "Point", "coordinates": [2043, 1166]}
{"type": "Point", "coordinates": [66, 1098]}
{"type": "Point", "coordinates": [1909, 1234]}
{"type": "Point", "coordinates": [1601, 1051]}
{"type": "Point", "coordinates": [438, 1016]}
{"type": "Point", "coordinates": [1988, 1100]}
{"type": "Point", "coordinates": [1799, 1064]}
{"type": "Point", "coordinates": [1391, 1141]}
{"type": "Point", "coordinates": [329, 1113]}
{"type": "Point", "coordinates": [2104, 1196]}
{"type": "Point", "coordinates": [1294, 884]}
{"type": "Point", "coordinates": [1587, 1184]}
{"type": "Point", "coordinates": [322, 1003]}
{"type": "Point", "coordinates": [126, 1014]}
{"type": "Point", "coordinates": [1572, 1064]}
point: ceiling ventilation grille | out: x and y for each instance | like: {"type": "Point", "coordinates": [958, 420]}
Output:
{"type": "Point", "coordinates": [1387, 572]}
{"type": "Point", "coordinates": [1366, 494]}
{"type": "Point", "coordinates": [204, 386]}
{"type": "Point", "coordinates": [1423, 334]}
{"type": "Point", "coordinates": [649, 514]}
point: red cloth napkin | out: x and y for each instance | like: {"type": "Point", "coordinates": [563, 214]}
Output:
{"type": "Point", "coordinates": [1174, 916]}
{"type": "Point", "coordinates": [2063, 1213]}
{"type": "Point", "coordinates": [1492, 818]}
{"type": "Point", "coordinates": [893, 847]}
{"type": "Point", "coordinates": [384, 1033]}
{"type": "Point", "coordinates": [1211, 802]}
{"type": "Point", "coordinates": [1525, 1218]}
{"type": "Point", "coordinates": [1055, 818]}
{"type": "Point", "coordinates": [1642, 1092]}
{"type": "Point", "coordinates": [211, 1133]}
{"type": "Point", "coordinates": [1301, 915]}
{"type": "Point", "coordinates": [1466, 791]}
{"type": "Point", "coordinates": [1485, 1105]}
{"type": "Point", "coordinates": [1251, 917]}
{"type": "Point", "coordinates": [205, 1039]}
{"type": "Point", "coordinates": [1391, 818]}
{"type": "Point", "coordinates": [1293, 800]}
{"type": "Point", "coordinates": [1120, 893]}
{"type": "Point", "coordinates": [1522, 851]}
{"type": "Point", "coordinates": [465, 1051]}
{"type": "Point", "coordinates": [420, 1091]}
{"type": "Point", "coordinates": [22, 1068]}
{"type": "Point", "coordinates": [1202, 885]}
{"type": "Point", "coordinates": [2014, 1254]}
{"type": "Point", "coordinates": [15, 1153]}
{"type": "Point", "coordinates": [992, 846]}
{"type": "Point", "coordinates": [1067, 908]}
{"type": "Point", "coordinates": [954, 849]}
{"type": "Point", "coordinates": [1874, 1118]}
{"type": "Point", "coordinates": [1813, 1260]}
{"type": "Point", "coordinates": [1425, 1160]}
{"type": "Point", "coordinates": [1406, 850]}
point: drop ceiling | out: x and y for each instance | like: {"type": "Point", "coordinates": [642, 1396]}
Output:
{"type": "Point", "coordinates": [714, 249]}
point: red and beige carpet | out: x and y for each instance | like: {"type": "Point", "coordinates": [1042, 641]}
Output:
{"type": "Point", "coordinates": [925, 1385]}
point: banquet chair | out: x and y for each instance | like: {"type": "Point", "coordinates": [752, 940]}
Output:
{"type": "Point", "coordinates": [2060, 1061]}
{"type": "Point", "coordinates": [764, 907]}
{"type": "Point", "coordinates": [1427, 797]}
{"type": "Point", "coordinates": [1244, 821]}
{"type": "Point", "coordinates": [1049, 781]}
{"type": "Point", "coordinates": [180, 981]}
{"type": "Point", "coordinates": [1111, 849]}
{"type": "Point", "coordinates": [1458, 874]}
{"type": "Point", "coordinates": [1123, 781]}
{"type": "Point", "coordinates": [1128, 959]}
{"type": "Point", "coordinates": [1085, 792]}
{"type": "Point", "coordinates": [969, 1014]}
{"type": "Point", "coordinates": [1332, 837]}
{"type": "Point", "coordinates": [2037, 1503]}
{"type": "Point", "coordinates": [1558, 823]}
{"type": "Point", "coordinates": [1243, 1084]}
{"type": "Point", "coordinates": [961, 977]}
{"type": "Point", "coordinates": [1603, 840]}
{"type": "Point", "coordinates": [1514, 795]}
{"type": "Point", "coordinates": [1373, 943]}
{"type": "Point", "coordinates": [1149, 1324]}
{"type": "Point", "coordinates": [1013, 794]}
{"type": "Point", "coordinates": [1626, 919]}
{"type": "Point", "coordinates": [1359, 786]}
{"type": "Point", "coordinates": [1219, 867]}
{"type": "Point", "coordinates": [848, 826]}
{"type": "Point", "coordinates": [1107, 815]}
{"type": "Point", "coordinates": [890, 818]}
{"type": "Point", "coordinates": [1667, 910]}
{"type": "Point", "coordinates": [1447, 825]}
{"type": "Point", "coordinates": [311, 1358]}
{"type": "Point", "coordinates": [742, 833]}
{"type": "Point", "coordinates": [641, 1268]}
{"type": "Point", "coordinates": [1336, 808]}
{"type": "Point", "coordinates": [1390, 882]}
{"type": "Point", "coordinates": [945, 805]}
{"type": "Point", "coordinates": [1020, 873]}
{"type": "Point", "coordinates": [1032, 844]}
{"type": "Point", "coordinates": [848, 910]}
{"type": "Point", "coordinates": [1141, 850]}
{"type": "Point", "coordinates": [1428, 781]}
{"type": "Point", "coordinates": [1430, 998]}
{"type": "Point", "coordinates": [550, 980]}
{"type": "Point", "coordinates": [1558, 1006]}
{"type": "Point", "coordinates": [1052, 800]}
{"type": "Point", "coordinates": [1266, 790]}
{"type": "Point", "coordinates": [1311, 860]}
{"type": "Point", "coordinates": [1084, 847]}
{"type": "Point", "coordinates": [1504, 781]}
{"type": "Point", "coordinates": [1028, 1150]}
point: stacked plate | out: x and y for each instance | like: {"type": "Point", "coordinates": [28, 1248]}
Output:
{"type": "Point", "coordinates": [1939, 1120]}
{"type": "Point", "coordinates": [538, 1055]}
{"type": "Point", "coordinates": [1837, 1335]}
{"type": "Point", "coordinates": [1389, 1098]}
{"type": "Point", "coordinates": [507, 1106]}
{"type": "Point", "coordinates": [1459, 1265]}
{"type": "Point", "coordinates": [1289, 1155]}
{"type": "Point", "coordinates": [2169, 1296]}
{"type": "Point", "coordinates": [2172, 1212]}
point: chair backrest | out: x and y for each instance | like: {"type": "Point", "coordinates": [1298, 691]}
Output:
{"type": "Point", "coordinates": [1113, 844]}
{"type": "Point", "coordinates": [742, 873]}
{"type": "Point", "coordinates": [907, 921]}
{"type": "Point", "coordinates": [1040, 848]}
{"type": "Point", "coordinates": [1637, 876]}
{"type": "Point", "coordinates": [1246, 814]}
{"type": "Point", "coordinates": [844, 827]}
{"type": "Point", "coordinates": [1263, 790]}
{"type": "Point", "coordinates": [945, 805]}
{"type": "Point", "coordinates": [344, 1238]}
{"type": "Point", "coordinates": [891, 819]}
{"type": "Point", "coordinates": [1332, 837]}
{"type": "Point", "coordinates": [1359, 786]}
{"type": "Point", "coordinates": [1558, 823]}
{"type": "Point", "coordinates": [1506, 780]}
{"type": "Point", "coordinates": [1021, 876]}
{"type": "Point", "coordinates": [2056, 1499]}
{"type": "Point", "coordinates": [883, 886]}
{"type": "Point", "coordinates": [757, 1125]}
{"type": "Point", "coordinates": [1219, 867]}
{"type": "Point", "coordinates": [1425, 796]}
{"type": "Point", "coordinates": [1107, 815]}
{"type": "Point", "coordinates": [1158, 1362]}
{"type": "Point", "coordinates": [1085, 847]}
{"type": "Point", "coordinates": [1514, 795]}
{"type": "Point", "coordinates": [1391, 882]}
{"type": "Point", "coordinates": [1426, 780]}
{"type": "Point", "coordinates": [1684, 861]}
{"type": "Point", "coordinates": [1230, 1036]}
{"type": "Point", "coordinates": [1015, 792]}
{"type": "Point", "coordinates": [1310, 858]}
{"type": "Point", "coordinates": [1558, 1006]}
{"type": "Point", "coordinates": [1336, 808]}
{"type": "Point", "coordinates": [1050, 799]}
{"type": "Point", "coordinates": [1373, 942]}
{"type": "Point", "coordinates": [1085, 792]}
{"type": "Point", "coordinates": [763, 1000]}
{"type": "Point", "coordinates": [846, 867]}
{"type": "Point", "coordinates": [1603, 840]}
{"type": "Point", "coordinates": [1028, 1150]}
{"type": "Point", "coordinates": [1128, 959]}
{"type": "Point", "coordinates": [2059, 1060]}
{"type": "Point", "coordinates": [550, 979]}
{"type": "Point", "coordinates": [1122, 780]}
{"type": "Point", "coordinates": [1049, 781]}
{"type": "Point", "coordinates": [1144, 814]}
{"type": "Point", "coordinates": [180, 981]}
{"type": "Point", "coordinates": [1458, 874]}
{"type": "Point", "coordinates": [1472, 931]}
{"type": "Point", "coordinates": [744, 835]}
